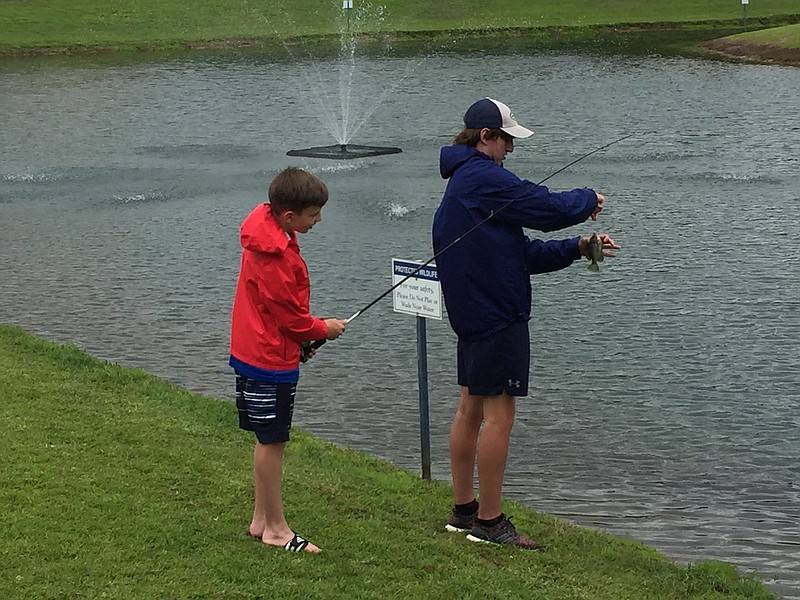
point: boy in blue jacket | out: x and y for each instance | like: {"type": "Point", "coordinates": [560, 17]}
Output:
{"type": "Point", "coordinates": [485, 280]}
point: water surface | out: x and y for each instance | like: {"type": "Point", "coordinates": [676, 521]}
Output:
{"type": "Point", "coordinates": [665, 400]}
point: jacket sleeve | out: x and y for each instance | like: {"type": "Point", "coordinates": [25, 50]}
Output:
{"type": "Point", "coordinates": [553, 255]}
{"type": "Point", "coordinates": [282, 300]}
{"type": "Point", "coordinates": [536, 207]}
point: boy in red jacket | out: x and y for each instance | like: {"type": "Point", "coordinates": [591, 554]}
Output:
{"type": "Point", "coordinates": [270, 329]}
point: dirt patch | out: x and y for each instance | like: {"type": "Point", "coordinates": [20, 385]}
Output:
{"type": "Point", "coordinates": [750, 52]}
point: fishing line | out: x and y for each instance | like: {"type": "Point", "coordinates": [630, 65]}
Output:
{"type": "Point", "coordinates": [358, 313]}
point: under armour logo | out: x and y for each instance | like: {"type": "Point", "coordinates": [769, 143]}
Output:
{"type": "Point", "coordinates": [515, 383]}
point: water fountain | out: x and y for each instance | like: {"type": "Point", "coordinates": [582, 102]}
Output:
{"type": "Point", "coordinates": [343, 150]}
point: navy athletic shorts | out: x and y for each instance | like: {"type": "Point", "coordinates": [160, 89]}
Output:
{"type": "Point", "coordinates": [496, 364]}
{"type": "Point", "coordinates": [265, 408]}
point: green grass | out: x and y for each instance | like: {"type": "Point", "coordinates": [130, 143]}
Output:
{"type": "Point", "coordinates": [27, 25]}
{"type": "Point", "coordinates": [780, 37]}
{"type": "Point", "coordinates": [778, 45]}
{"type": "Point", "coordinates": [115, 484]}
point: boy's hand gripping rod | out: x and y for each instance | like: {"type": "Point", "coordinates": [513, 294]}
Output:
{"type": "Point", "coordinates": [355, 315]}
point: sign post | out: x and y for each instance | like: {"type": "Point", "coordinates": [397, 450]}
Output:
{"type": "Point", "coordinates": [420, 295]}
{"type": "Point", "coordinates": [744, 12]}
{"type": "Point", "coordinates": [347, 5]}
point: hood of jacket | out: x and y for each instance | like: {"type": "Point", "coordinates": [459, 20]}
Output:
{"type": "Point", "coordinates": [453, 157]}
{"type": "Point", "coordinates": [261, 233]}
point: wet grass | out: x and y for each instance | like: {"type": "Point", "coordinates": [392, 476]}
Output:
{"type": "Point", "coordinates": [115, 484]}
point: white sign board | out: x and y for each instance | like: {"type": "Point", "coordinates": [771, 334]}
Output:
{"type": "Point", "coordinates": [745, 1]}
{"type": "Point", "coordinates": [347, 4]}
{"type": "Point", "coordinates": [420, 295]}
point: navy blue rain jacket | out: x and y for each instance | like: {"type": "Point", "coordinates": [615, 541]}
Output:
{"type": "Point", "coordinates": [485, 277]}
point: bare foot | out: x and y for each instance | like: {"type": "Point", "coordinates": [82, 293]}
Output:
{"type": "Point", "coordinates": [255, 530]}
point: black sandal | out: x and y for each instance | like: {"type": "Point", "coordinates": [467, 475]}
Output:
{"type": "Point", "coordinates": [296, 544]}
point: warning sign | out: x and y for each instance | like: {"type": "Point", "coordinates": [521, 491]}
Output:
{"type": "Point", "coordinates": [421, 294]}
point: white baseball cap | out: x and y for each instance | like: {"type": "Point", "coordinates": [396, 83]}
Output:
{"type": "Point", "coordinates": [490, 113]}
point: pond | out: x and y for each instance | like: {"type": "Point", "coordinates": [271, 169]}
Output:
{"type": "Point", "coordinates": [665, 400]}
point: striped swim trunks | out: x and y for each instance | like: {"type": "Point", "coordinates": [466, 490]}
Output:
{"type": "Point", "coordinates": [265, 408]}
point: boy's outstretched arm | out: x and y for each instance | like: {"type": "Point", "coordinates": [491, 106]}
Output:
{"type": "Point", "coordinates": [552, 255]}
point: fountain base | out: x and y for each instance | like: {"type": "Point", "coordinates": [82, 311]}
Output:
{"type": "Point", "coordinates": [343, 151]}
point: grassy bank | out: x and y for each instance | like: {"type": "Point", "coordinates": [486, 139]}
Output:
{"type": "Point", "coordinates": [115, 484]}
{"type": "Point", "coordinates": [778, 44]}
{"type": "Point", "coordinates": [56, 26]}
{"type": "Point", "coordinates": [783, 37]}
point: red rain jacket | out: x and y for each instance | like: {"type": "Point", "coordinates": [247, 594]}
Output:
{"type": "Point", "coordinates": [271, 307]}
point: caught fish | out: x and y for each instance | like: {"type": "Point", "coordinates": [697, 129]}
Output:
{"type": "Point", "coordinates": [594, 252]}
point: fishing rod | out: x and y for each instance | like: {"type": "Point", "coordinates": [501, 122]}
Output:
{"type": "Point", "coordinates": [358, 313]}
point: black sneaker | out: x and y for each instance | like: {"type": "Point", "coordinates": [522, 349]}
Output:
{"type": "Point", "coordinates": [461, 523]}
{"type": "Point", "coordinates": [502, 533]}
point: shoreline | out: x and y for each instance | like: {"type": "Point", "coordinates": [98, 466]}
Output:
{"type": "Point", "coordinates": [689, 39]}
{"type": "Point", "coordinates": [141, 490]}
{"type": "Point", "coordinates": [748, 52]}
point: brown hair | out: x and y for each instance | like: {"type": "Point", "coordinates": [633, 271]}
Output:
{"type": "Point", "coordinates": [296, 190]}
{"type": "Point", "coordinates": [471, 137]}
